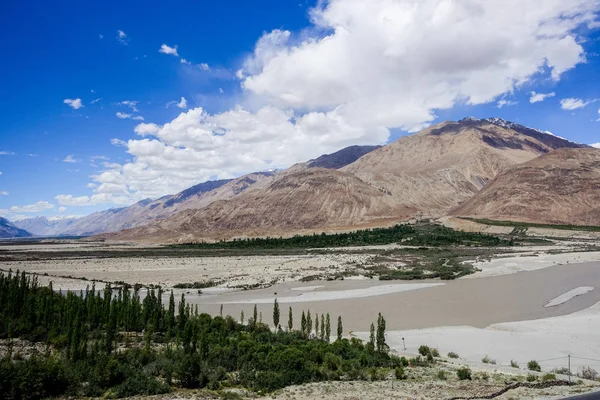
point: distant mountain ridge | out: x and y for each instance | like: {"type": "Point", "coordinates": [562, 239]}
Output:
{"type": "Point", "coordinates": [9, 230]}
{"type": "Point", "coordinates": [428, 174]}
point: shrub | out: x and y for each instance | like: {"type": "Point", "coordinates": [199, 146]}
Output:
{"type": "Point", "coordinates": [548, 377]}
{"type": "Point", "coordinates": [531, 378]}
{"type": "Point", "coordinates": [514, 364]}
{"type": "Point", "coordinates": [452, 355]}
{"type": "Point", "coordinates": [534, 366]}
{"type": "Point", "coordinates": [435, 352]}
{"type": "Point", "coordinates": [441, 375]}
{"type": "Point", "coordinates": [399, 373]}
{"type": "Point", "coordinates": [485, 360]}
{"type": "Point", "coordinates": [464, 373]}
{"type": "Point", "coordinates": [587, 373]}
{"type": "Point", "coordinates": [424, 350]}
{"type": "Point", "coordinates": [562, 371]}
{"type": "Point", "coordinates": [485, 376]}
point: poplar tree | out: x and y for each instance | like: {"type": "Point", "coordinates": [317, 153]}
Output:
{"type": "Point", "coordinates": [290, 320]}
{"type": "Point", "coordinates": [328, 329]}
{"type": "Point", "coordinates": [380, 333]}
{"type": "Point", "coordinates": [340, 328]}
{"type": "Point", "coordinates": [276, 314]}
{"type": "Point", "coordinates": [242, 317]}
{"type": "Point", "coordinates": [303, 323]}
{"type": "Point", "coordinates": [372, 337]}
{"type": "Point", "coordinates": [308, 323]}
{"type": "Point", "coordinates": [322, 326]}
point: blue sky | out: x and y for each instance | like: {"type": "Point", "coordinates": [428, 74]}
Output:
{"type": "Point", "coordinates": [271, 84]}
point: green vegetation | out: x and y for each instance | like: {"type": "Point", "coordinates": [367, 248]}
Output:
{"type": "Point", "coordinates": [452, 355]}
{"type": "Point", "coordinates": [413, 235]}
{"type": "Point", "coordinates": [548, 377]}
{"type": "Point", "coordinates": [514, 364]}
{"type": "Point", "coordinates": [114, 344]}
{"type": "Point", "coordinates": [488, 360]}
{"type": "Point", "coordinates": [464, 373]}
{"type": "Point", "coordinates": [515, 224]}
{"type": "Point", "coordinates": [534, 366]}
{"type": "Point", "coordinates": [531, 378]}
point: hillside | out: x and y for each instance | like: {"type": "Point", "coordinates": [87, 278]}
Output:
{"type": "Point", "coordinates": [442, 166]}
{"type": "Point", "coordinates": [428, 173]}
{"type": "Point", "coordinates": [308, 199]}
{"type": "Point", "coordinates": [46, 226]}
{"type": "Point", "coordinates": [562, 187]}
{"type": "Point", "coordinates": [9, 230]}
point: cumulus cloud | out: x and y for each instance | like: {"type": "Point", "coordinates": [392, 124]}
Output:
{"type": "Point", "coordinates": [361, 69]}
{"type": "Point", "coordinates": [118, 142]}
{"type": "Point", "coordinates": [4, 193]}
{"type": "Point", "coordinates": [62, 209]}
{"type": "Point", "coordinates": [184, 61]}
{"type": "Point", "coordinates": [204, 66]}
{"type": "Point", "coordinates": [123, 115]}
{"type": "Point", "coordinates": [70, 159]}
{"type": "Point", "coordinates": [165, 49]}
{"type": "Point", "coordinates": [75, 104]}
{"type": "Point", "coordinates": [537, 97]}
{"type": "Point", "coordinates": [573, 104]}
{"type": "Point", "coordinates": [122, 37]}
{"type": "Point", "coordinates": [7, 153]}
{"type": "Point", "coordinates": [32, 208]}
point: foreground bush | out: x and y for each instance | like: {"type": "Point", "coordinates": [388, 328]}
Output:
{"type": "Point", "coordinates": [464, 373]}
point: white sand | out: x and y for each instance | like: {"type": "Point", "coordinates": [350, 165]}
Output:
{"type": "Point", "coordinates": [306, 288]}
{"type": "Point", "coordinates": [519, 263]}
{"type": "Point", "coordinates": [341, 294]}
{"type": "Point", "coordinates": [576, 334]}
{"type": "Point", "coordinates": [563, 298]}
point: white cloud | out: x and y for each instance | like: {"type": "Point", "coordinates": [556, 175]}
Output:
{"type": "Point", "coordinates": [596, 145]}
{"type": "Point", "coordinates": [537, 97]}
{"type": "Point", "coordinates": [7, 153]}
{"type": "Point", "coordinates": [4, 193]}
{"type": "Point", "coordinates": [165, 49]}
{"type": "Point", "coordinates": [101, 36]}
{"type": "Point", "coordinates": [122, 37]}
{"type": "Point", "coordinates": [573, 104]}
{"type": "Point", "coordinates": [0, 172]}
{"type": "Point", "coordinates": [82, 201]}
{"type": "Point", "coordinates": [123, 115]}
{"type": "Point", "coordinates": [62, 209]}
{"type": "Point", "coordinates": [184, 61]}
{"type": "Point", "coordinates": [75, 104]}
{"type": "Point", "coordinates": [118, 142]}
{"type": "Point", "coordinates": [70, 159]}
{"type": "Point", "coordinates": [506, 103]}
{"type": "Point", "coordinates": [204, 66]}
{"type": "Point", "coordinates": [96, 100]}
{"type": "Point", "coordinates": [131, 104]}
{"type": "Point", "coordinates": [181, 104]}
{"type": "Point", "coordinates": [36, 207]}
{"type": "Point", "coordinates": [129, 116]}
{"type": "Point", "coordinates": [393, 63]}
{"type": "Point", "coordinates": [221, 90]}
{"type": "Point", "coordinates": [361, 69]}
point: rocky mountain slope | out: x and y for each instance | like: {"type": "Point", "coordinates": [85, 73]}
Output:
{"type": "Point", "coordinates": [446, 164]}
{"type": "Point", "coordinates": [428, 173]}
{"type": "Point", "coordinates": [9, 230]}
{"type": "Point", "coordinates": [561, 187]}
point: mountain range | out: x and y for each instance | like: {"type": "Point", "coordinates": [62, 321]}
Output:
{"type": "Point", "coordinates": [469, 167]}
{"type": "Point", "coordinates": [9, 230]}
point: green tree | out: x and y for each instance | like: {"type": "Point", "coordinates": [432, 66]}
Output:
{"type": "Point", "coordinates": [290, 320]}
{"type": "Point", "coordinates": [372, 338]}
{"type": "Point", "coordinates": [303, 323]}
{"type": "Point", "coordinates": [380, 340]}
{"type": "Point", "coordinates": [276, 314]}
{"type": "Point", "coordinates": [242, 317]}
{"type": "Point", "coordinates": [322, 326]}
{"type": "Point", "coordinates": [340, 328]}
{"type": "Point", "coordinates": [308, 323]}
{"type": "Point", "coordinates": [328, 329]}
{"type": "Point", "coordinates": [316, 325]}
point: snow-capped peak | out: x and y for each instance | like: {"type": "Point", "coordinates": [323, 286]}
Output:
{"type": "Point", "coordinates": [511, 125]}
{"type": "Point", "coordinates": [470, 118]}
{"type": "Point", "coordinates": [596, 145]}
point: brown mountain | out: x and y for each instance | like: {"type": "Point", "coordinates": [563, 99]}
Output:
{"type": "Point", "coordinates": [428, 173]}
{"type": "Point", "coordinates": [561, 187]}
{"type": "Point", "coordinates": [446, 164]}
